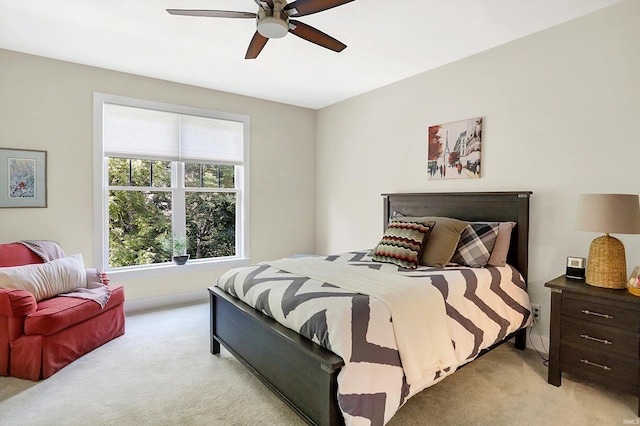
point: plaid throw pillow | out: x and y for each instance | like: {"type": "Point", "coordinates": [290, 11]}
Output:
{"type": "Point", "coordinates": [402, 243]}
{"type": "Point", "coordinates": [476, 243]}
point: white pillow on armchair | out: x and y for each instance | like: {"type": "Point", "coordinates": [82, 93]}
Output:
{"type": "Point", "coordinates": [46, 280]}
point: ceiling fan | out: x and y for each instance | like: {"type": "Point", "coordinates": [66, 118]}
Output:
{"type": "Point", "coordinates": [273, 21]}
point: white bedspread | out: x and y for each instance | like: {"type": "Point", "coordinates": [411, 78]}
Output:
{"type": "Point", "coordinates": [482, 305]}
{"type": "Point", "coordinates": [418, 311]}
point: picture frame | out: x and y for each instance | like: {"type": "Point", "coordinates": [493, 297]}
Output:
{"type": "Point", "coordinates": [23, 178]}
{"type": "Point", "coordinates": [454, 150]}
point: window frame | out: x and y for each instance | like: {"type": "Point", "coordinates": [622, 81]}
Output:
{"type": "Point", "coordinates": [101, 194]}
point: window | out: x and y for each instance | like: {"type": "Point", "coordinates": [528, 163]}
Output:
{"type": "Point", "coordinates": [165, 172]}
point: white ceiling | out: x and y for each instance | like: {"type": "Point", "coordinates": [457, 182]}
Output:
{"type": "Point", "coordinates": [388, 40]}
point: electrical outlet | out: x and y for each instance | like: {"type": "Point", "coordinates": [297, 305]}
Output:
{"type": "Point", "coordinates": [536, 312]}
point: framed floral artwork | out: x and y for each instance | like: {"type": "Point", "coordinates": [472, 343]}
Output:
{"type": "Point", "coordinates": [23, 178]}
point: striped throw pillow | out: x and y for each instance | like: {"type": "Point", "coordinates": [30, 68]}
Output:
{"type": "Point", "coordinates": [402, 243]}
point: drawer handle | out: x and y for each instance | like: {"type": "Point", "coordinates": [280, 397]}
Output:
{"type": "Point", "coordinates": [593, 364]}
{"type": "Point", "coordinates": [595, 339]}
{"type": "Point", "coordinates": [597, 314]}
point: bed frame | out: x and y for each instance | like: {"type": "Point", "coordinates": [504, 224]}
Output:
{"type": "Point", "coordinates": [304, 374]}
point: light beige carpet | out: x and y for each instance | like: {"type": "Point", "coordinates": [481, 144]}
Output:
{"type": "Point", "coordinates": [161, 373]}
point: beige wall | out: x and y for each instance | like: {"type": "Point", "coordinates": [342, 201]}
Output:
{"type": "Point", "coordinates": [560, 112]}
{"type": "Point", "coordinates": [47, 105]}
{"type": "Point", "coordinates": [561, 115]}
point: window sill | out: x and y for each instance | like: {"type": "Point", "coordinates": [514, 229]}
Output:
{"type": "Point", "coordinates": [195, 265]}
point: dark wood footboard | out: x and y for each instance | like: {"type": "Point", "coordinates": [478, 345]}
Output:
{"type": "Point", "coordinates": [303, 374]}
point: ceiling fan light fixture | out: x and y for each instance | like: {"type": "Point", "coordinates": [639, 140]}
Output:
{"type": "Point", "coordinates": [271, 27]}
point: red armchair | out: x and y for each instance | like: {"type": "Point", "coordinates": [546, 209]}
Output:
{"type": "Point", "coordinates": [39, 338]}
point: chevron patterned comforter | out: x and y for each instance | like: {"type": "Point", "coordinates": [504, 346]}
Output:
{"type": "Point", "coordinates": [483, 305]}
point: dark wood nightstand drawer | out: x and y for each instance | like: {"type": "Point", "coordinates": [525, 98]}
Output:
{"type": "Point", "coordinates": [597, 313]}
{"type": "Point", "coordinates": [600, 363]}
{"type": "Point", "coordinates": [600, 338]}
{"type": "Point", "coordinates": [594, 335]}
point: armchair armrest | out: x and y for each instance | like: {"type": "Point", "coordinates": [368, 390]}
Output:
{"type": "Point", "coordinates": [16, 303]}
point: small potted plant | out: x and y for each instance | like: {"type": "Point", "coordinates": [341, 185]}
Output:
{"type": "Point", "coordinates": [180, 246]}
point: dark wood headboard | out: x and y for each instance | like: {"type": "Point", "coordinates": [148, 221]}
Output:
{"type": "Point", "coordinates": [472, 206]}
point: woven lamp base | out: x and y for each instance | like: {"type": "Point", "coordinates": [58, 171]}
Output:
{"type": "Point", "coordinates": [607, 264]}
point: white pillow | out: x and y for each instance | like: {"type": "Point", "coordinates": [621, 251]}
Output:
{"type": "Point", "coordinates": [46, 280]}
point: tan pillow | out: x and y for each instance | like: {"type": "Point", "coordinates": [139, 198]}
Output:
{"type": "Point", "coordinates": [501, 248]}
{"type": "Point", "coordinates": [442, 241]}
{"type": "Point", "coordinates": [46, 280]}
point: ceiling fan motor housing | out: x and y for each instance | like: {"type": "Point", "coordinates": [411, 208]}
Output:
{"type": "Point", "coordinates": [273, 23]}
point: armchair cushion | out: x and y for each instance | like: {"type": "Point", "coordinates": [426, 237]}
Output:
{"type": "Point", "coordinates": [59, 313]}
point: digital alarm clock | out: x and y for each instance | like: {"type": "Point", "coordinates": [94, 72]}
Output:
{"type": "Point", "coordinates": [575, 267]}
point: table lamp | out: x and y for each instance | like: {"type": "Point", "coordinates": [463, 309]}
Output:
{"type": "Point", "coordinates": [608, 213]}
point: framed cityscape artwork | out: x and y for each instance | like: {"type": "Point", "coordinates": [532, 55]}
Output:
{"type": "Point", "coordinates": [455, 150]}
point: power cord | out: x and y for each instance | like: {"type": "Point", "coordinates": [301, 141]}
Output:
{"type": "Point", "coordinates": [545, 361]}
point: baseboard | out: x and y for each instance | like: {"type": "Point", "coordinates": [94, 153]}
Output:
{"type": "Point", "coordinates": [157, 302]}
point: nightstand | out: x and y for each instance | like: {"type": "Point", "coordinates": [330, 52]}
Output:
{"type": "Point", "coordinates": [595, 334]}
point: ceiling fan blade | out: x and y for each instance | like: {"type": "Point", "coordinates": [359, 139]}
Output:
{"type": "Point", "coordinates": [313, 35]}
{"type": "Point", "coordinates": [261, 3]}
{"type": "Point", "coordinates": [212, 13]}
{"type": "Point", "coordinates": [255, 47]}
{"type": "Point", "coordinates": [307, 7]}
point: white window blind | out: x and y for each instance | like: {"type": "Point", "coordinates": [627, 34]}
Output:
{"type": "Point", "coordinates": [204, 138]}
{"type": "Point", "coordinates": [150, 134]}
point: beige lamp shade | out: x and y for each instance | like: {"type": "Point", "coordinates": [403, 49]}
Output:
{"type": "Point", "coordinates": [608, 213]}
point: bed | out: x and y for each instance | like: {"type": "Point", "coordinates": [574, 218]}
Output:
{"type": "Point", "coordinates": [306, 375]}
